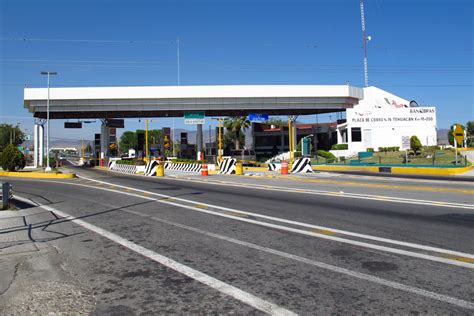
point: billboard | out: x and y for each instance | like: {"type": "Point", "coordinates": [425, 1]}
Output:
{"type": "Point", "coordinates": [416, 117]}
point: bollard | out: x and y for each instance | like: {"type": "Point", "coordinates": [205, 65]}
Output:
{"type": "Point", "coordinates": [284, 167]}
{"type": "Point", "coordinates": [160, 170]}
{"type": "Point", "coordinates": [204, 171]}
{"type": "Point", "coordinates": [239, 169]}
{"type": "Point", "coordinates": [6, 195]}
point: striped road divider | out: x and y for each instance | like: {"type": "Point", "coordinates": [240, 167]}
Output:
{"type": "Point", "coordinates": [302, 165]}
{"type": "Point", "coordinates": [227, 166]}
{"type": "Point", "coordinates": [184, 167]}
{"type": "Point", "coordinates": [274, 166]}
{"type": "Point", "coordinates": [150, 169]}
{"type": "Point", "coordinates": [124, 168]}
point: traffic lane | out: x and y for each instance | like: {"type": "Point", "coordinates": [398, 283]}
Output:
{"type": "Point", "coordinates": [423, 191]}
{"type": "Point", "coordinates": [121, 280]}
{"type": "Point", "coordinates": [180, 248]}
{"type": "Point", "coordinates": [443, 192]}
{"type": "Point", "coordinates": [431, 225]}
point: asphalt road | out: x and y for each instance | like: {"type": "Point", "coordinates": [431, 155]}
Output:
{"type": "Point", "coordinates": [343, 245]}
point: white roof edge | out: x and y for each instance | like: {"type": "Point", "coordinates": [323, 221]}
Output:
{"type": "Point", "coordinates": [224, 91]}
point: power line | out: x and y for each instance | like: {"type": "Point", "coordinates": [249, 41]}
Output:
{"type": "Point", "coordinates": [255, 68]}
{"type": "Point", "coordinates": [23, 39]}
{"type": "Point", "coordinates": [86, 61]}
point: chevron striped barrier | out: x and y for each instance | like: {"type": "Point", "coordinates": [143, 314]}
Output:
{"type": "Point", "coordinates": [150, 169]}
{"type": "Point", "coordinates": [227, 166]}
{"type": "Point", "coordinates": [184, 167]}
{"type": "Point", "coordinates": [124, 168]}
{"type": "Point", "coordinates": [274, 166]}
{"type": "Point", "coordinates": [302, 165]}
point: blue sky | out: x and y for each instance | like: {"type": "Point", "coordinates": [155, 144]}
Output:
{"type": "Point", "coordinates": [420, 49]}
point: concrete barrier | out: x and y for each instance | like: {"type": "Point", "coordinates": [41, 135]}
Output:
{"type": "Point", "coordinates": [227, 166]}
{"type": "Point", "coordinates": [274, 166]}
{"type": "Point", "coordinates": [185, 167]}
{"type": "Point", "coordinates": [302, 165]}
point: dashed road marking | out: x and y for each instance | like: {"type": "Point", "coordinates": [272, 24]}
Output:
{"type": "Point", "coordinates": [232, 291]}
{"type": "Point", "coordinates": [436, 258]}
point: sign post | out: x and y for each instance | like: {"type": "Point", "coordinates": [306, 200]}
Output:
{"type": "Point", "coordinates": [458, 133]}
{"type": "Point", "coordinates": [406, 146]}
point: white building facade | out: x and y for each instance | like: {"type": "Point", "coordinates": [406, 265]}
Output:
{"type": "Point", "coordinates": [382, 119]}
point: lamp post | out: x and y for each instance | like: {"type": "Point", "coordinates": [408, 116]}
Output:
{"type": "Point", "coordinates": [48, 73]}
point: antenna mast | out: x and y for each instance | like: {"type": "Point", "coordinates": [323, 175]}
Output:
{"type": "Point", "coordinates": [364, 43]}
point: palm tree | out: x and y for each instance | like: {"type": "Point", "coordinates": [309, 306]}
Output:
{"type": "Point", "coordinates": [235, 125]}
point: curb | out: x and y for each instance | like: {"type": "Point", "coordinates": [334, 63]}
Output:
{"type": "Point", "coordinates": [398, 170]}
{"type": "Point", "coordinates": [37, 175]}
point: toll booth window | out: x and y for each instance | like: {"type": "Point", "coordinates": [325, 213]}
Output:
{"type": "Point", "coordinates": [356, 134]}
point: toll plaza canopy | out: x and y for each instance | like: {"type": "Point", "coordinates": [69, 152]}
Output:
{"type": "Point", "coordinates": [173, 101]}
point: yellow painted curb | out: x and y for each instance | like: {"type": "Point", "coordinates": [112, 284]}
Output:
{"type": "Point", "coordinates": [346, 168]}
{"type": "Point", "coordinates": [255, 168]}
{"type": "Point", "coordinates": [431, 171]}
{"type": "Point", "coordinates": [37, 175]}
{"type": "Point", "coordinates": [399, 170]}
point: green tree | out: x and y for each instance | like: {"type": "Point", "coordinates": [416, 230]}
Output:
{"type": "Point", "coordinates": [236, 125]}
{"type": "Point", "coordinates": [470, 133]}
{"type": "Point", "coordinates": [415, 144]}
{"type": "Point", "coordinates": [88, 148]}
{"type": "Point", "coordinates": [451, 136]}
{"type": "Point", "coordinates": [10, 134]}
{"type": "Point", "coordinates": [128, 140]}
{"type": "Point", "coordinates": [277, 122]}
{"type": "Point", "coordinates": [12, 159]}
{"type": "Point", "coordinates": [228, 140]}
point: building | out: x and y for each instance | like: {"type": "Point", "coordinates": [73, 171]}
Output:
{"type": "Point", "coordinates": [382, 119]}
{"type": "Point", "coordinates": [270, 140]}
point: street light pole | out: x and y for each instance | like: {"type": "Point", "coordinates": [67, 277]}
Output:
{"type": "Point", "coordinates": [48, 73]}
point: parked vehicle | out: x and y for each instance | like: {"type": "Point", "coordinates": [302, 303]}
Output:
{"type": "Point", "coordinates": [245, 156]}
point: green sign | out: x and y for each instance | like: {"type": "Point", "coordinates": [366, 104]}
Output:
{"type": "Point", "coordinates": [194, 118]}
{"type": "Point", "coordinates": [194, 115]}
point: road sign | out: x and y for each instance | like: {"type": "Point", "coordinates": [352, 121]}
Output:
{"type": "Point", "coordinates": [258, 117]}
{"type": "Point", "coordinates": [192, 118]}
{"type": "Point", "coordinates": [459, 134]}
{"type": "Point", "coordinates": [405, 143]}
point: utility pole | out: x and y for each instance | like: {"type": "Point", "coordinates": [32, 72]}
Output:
{"type": "Point", "coordinates": [48, 73]}
{"type": "Point", "coordinates": [219, 153]}
{"type": "Point", "coordinates": [179, 83]}
{"type": "Point", "coordinates": [364, 43]}
{"type": "Point", "coordinates": [146, 140]}
{"type": "Point", "coordinates": [178, 57]}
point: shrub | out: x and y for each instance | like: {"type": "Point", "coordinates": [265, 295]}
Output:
{"type": "Point", "coordinates": [12, 159]}
{"type": "Point", "coordinates": [326, 154]}
{"type": "Point", "coordinates": [415, 144]}
{"type": "Point", "coordinates": [181, 160]}
{"type": "Point", "coordinates": [387, 149]}
{"type": "Point", "coordinates": [370, 150]}
{"type": "Point", "coordinates": [340, 147]}
{"type": "Point", "coordinates": [129, 162]}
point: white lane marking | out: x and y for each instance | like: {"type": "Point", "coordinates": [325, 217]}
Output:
{"type": "Point", "coordinates": [322, 265]}
{"type": "Point", "coordinates": [324, 193]}
{"type": "Point", "coordinates": [344, 195]}
{"type": "Point", "coordinates": [214, 283]}
{"type": "Point", "coordinates": [318, 264]}
{"type": "Point", "coordinates": [449, 261]}
{"type": "Point", "coordinates": [281, 220]}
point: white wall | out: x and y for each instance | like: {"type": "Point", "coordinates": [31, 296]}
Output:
{"type": "Point", "coordinates": [392, 136]}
